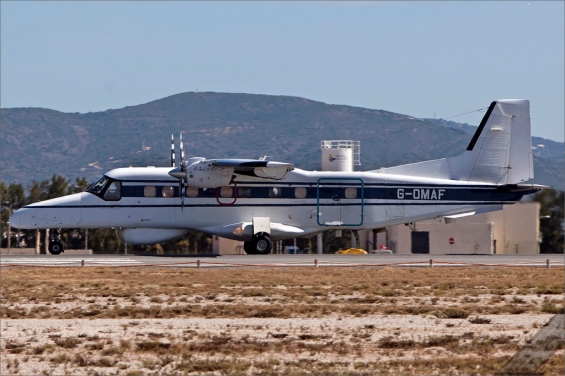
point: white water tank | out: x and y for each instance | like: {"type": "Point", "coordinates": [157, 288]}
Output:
{"type": "Point", "coordinates": [340, 155]}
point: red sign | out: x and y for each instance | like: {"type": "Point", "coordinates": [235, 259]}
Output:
{"type": "Point", "coordinates": [451, 241]}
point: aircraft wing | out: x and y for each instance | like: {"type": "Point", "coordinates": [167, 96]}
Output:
{"type": "Point", "coordinates": [254, 167]}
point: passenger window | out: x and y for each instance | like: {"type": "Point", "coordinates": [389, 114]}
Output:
{"type": "Point", "coordinates": [149, 191]}
{"type": "Point", "coordinates": [274, 192]}
{"type": "Point", "coordinates": [191, 192]}
{"type": "Point", "coordinates": [300, 192]}
{"type": "Point", "coordinates": [168, 191]}
{"type": "Point", "coordinates": [113, 191]}
{"type": "Point", "coordinates": [350, 192]}
{"type": "Point", "coordinates": [244, 192]}
{"type": "Point", "coordinates": [226, 192]}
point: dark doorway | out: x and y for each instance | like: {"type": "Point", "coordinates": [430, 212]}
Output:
{"type": "Point", "coordinates": [420, 242]}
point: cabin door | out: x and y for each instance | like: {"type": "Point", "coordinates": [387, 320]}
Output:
{"type": "Point", "coordinates": [353, 201]}
{"type": "Point", "coordinates": [340, 202]}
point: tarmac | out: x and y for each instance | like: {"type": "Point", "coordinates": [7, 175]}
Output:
{"type": "Point", "coordinates": [68, 259]}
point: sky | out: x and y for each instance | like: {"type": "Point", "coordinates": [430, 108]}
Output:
{"type": "Point", "coordinates": [416, 58]}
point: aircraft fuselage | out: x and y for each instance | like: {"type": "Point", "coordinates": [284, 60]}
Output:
{"type": "Point", "coordinates": [303, 203]}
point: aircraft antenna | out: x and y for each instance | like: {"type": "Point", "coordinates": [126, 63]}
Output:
{"type": "Point", "coordinates": [424, 122]}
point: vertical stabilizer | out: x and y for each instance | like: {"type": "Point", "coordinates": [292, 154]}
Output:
{"type": "Point", "coordinates": [500, 151]}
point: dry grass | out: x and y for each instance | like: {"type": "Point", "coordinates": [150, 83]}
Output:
{"type": "Point", "coordinates": [166, 293]}
{"type": "Point", "coordinates": [450, 302]}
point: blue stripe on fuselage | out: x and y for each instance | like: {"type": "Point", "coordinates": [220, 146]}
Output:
{"type": "Point", "coordinates": [406, 193]}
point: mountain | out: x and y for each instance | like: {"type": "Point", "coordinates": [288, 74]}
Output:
{"type": "Point", "coordinates": [37, 143]}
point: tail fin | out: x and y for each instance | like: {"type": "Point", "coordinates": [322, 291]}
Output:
{"type": "Point", "coordinates": [500, 151]}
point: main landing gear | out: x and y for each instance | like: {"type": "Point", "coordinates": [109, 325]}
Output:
{"type": "Point", "coordinates": [261, 244]}
{"type": "Point", "coordinates": [55, 245]}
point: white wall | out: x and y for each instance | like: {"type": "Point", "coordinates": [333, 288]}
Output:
{"type": "Point", "coordinates": [515, 230]}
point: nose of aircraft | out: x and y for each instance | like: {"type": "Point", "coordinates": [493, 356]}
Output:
{"type": "Point", "coordinates": [62, 212]}
{"type": "Point", "coordinates": [23, 218]}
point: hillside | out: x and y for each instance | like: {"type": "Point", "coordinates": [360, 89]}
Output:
{"type": "Point", "coordinates": [37, 143]}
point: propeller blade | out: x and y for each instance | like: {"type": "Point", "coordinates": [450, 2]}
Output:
{"type": "Point", "coordinates": [173, 150]}
{"type": "Point", "coordinates": [181, 153]}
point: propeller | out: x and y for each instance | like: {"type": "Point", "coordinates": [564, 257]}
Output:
{"type": "Point", "coordinates": [179, 172]}
{"type": "Point", "coordinates": [182, 166]}
{"type": "Point", "coordinates": [182, 182]}
{"type": "Point", "coordinates": [173, 150]}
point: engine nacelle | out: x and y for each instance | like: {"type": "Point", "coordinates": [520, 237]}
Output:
{"type": "Point", "coordinates": [202, 175]}
{"type": "Point", "coordinates": [149, 236]}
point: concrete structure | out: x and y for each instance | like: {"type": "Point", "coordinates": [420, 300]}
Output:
{"type": "Point", "coordinates": [513, 230]}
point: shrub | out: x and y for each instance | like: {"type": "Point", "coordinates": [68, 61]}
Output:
{"type": "Point", "coordinates": [61, 358]}
{"type": "Point", "coordinates": [105, 362]}
{"type": "Point", "coordinates": [391, 343]}
{"type": "Point", "coordinates": [551, 308]}
{"type": "Point", "coordinates": [479, 320]}
{"type": "Point", "coordinates": [455, 313]}
{"type": "Point", "coordinates": [67, 343]}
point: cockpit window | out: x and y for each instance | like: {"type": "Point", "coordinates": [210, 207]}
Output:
{"type": "Point", "coordinates": [97, 186]}
{"type": "Point", "coordinates": [106, 188]}
{"type": "Point", "coordinates": [113, 191]}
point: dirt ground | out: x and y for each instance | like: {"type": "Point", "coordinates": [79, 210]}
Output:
{"type": "Point", "coordinates": [145, 321]}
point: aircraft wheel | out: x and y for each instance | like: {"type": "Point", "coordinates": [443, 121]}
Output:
{"type": "Point", "coordinates": [56, 247]}
{"type": "Point", "coordinates": [263, 245]}
{"type": "Point", "coordinates": [249, 248]}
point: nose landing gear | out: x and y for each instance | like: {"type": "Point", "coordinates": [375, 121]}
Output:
{"type": "Point", "coordinates": [55, 245]}
{"type": "Point", "coordinates": [261, 244]}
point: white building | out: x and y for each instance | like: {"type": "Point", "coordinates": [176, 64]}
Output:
{"type": "Point", "coordinates": [513, 230]}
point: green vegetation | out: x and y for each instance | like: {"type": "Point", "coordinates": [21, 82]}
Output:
{"type": "Point", "coordinates": [551, 220]}
{"type": "Point", "coordinates": [13, 196]}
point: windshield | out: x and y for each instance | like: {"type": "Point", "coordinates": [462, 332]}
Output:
{"type": "Point", "coordinates": [97, 186]}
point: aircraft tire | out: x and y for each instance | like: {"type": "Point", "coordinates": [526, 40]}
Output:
{"type": "Point", "coordinates": [56, 247]}
{"type": "Point", "coordinates": [263, 245]}
{"type": "Point", "coordinates": [249, 248]}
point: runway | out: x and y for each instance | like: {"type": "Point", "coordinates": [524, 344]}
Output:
{"type": "Point", "coordinates": [282, 261]}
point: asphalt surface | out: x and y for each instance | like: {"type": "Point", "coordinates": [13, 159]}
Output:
{"type": "Point", "coordinates": [379, 260]}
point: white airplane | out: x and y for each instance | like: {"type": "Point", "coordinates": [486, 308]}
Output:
{"type": "Point", "coordinates": [259, 201]}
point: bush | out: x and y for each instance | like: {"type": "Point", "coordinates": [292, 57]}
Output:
{"type": "Point", "coordinates": [455, 313]}
{"type": "Point", "coordinates": [479, 320]}
{"type": "Point", "coordinates": [552, 308]}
